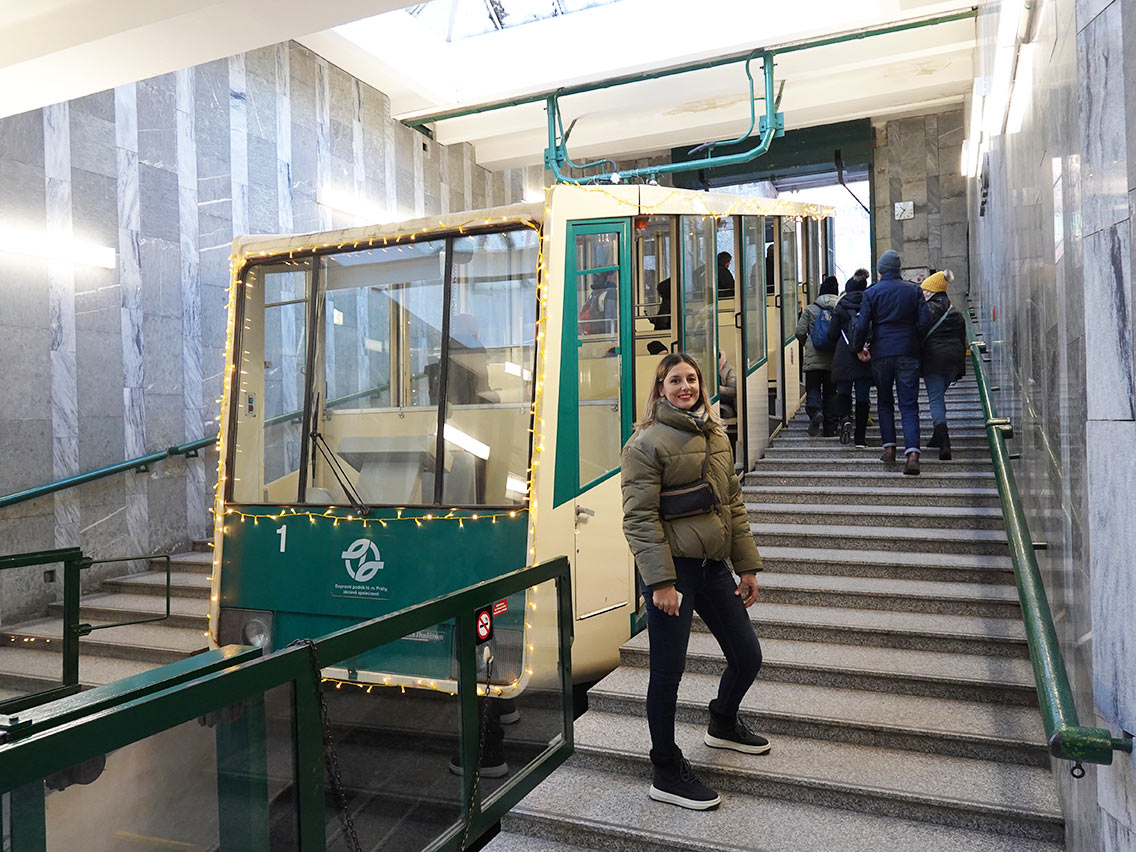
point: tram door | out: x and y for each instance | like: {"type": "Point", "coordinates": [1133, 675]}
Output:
{"type": "Point", "coordinates": [653, 314]}
{"type": "Point", "coordinates": [595, 415]}
{"type": "Point", "coordinates": [753, 365]}
{"type": "Point", "coordinates": [697, 306]}
{"type": "Point", "coordinates": [731, 401]}
{"type": "Point", "coordinates": [791, 306]}
{"type": "Point", "coordinates": [775, 353]}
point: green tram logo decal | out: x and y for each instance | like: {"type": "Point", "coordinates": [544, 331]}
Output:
{"type": "Point", "coordinates": [361, 559]}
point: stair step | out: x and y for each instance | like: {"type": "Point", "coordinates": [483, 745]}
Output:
{"type": "Point", "coordinates": [929, 462]}
{"type": "Point", "coordinates": [887, 670]}
{"type": "Point", "coordinates": [596, 810]}
{"type": "Point", "coordinates": [906, 539]}
{"type": "Point", "coordinates": [882, 478]}
{"type": "Point", "coordinates": [27, 669]}
{"type": "Point", "coordinates": [822, 448]}
{"type": "Point", "coordinates": [965, 518]}
{"type": "Point", "coordinates": [792, 437]}
{"type": "Point", "coordinates": [192, 561]}
{"type": "Point", "coordinates": [183, 584]}
{"type": "Point", "coordinates": [909, 492]}
{"type": "Point", "coordinates": [938, 567]}
{"type": "Point", "coordinates": [184, 612]}
{"type": "Point", "coordinates": [951, 634]}
{"type": "Point", "coordinates": [951, 726]}
{"type": "Point", "coordinates": [1007, 798]}
{"type": "Point", "coordinates": [154, 642]}
{"type": "Point", "coordinates": [203, 545]}
{"type": "Point", "coordinates": [982, 600]}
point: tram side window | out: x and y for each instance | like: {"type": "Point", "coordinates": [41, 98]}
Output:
{"type": "Point", "coordinates": [270, 393]}
{"type": "Point", "coordinates": [491, 357]}
{"type": "Point", "coordinates": [597, 295]}
{"type": "Point", "coordinates": [790, 309]}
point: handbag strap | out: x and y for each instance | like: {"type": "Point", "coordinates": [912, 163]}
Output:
{"type": "Point", "coordinates": [706, 461]}
{"type": "Point", "coordinates": [940, 322]}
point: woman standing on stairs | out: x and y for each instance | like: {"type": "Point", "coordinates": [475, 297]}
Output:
{"type": "Point", "coordinates": [943, 356]}
{"type": "Point", "coordinates": [684, 519]}
{"type": "Point", "coordinates": [848, 371]}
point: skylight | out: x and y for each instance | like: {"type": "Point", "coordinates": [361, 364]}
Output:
{"type": "Point", "coordinates": [458, 19]}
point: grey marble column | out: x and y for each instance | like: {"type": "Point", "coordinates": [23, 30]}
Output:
{"type": "Point", "coordinates": [238, 143]}
{"type": "Point", "coordinates": [323, 142]}
{"type": "Point", "coordinates": [130, 287]}
{"type": "Point", "coordinates": [61, 307]}
{"type": "Point", "coordinates": [196, 484]}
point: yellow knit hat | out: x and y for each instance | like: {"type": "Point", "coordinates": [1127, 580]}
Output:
{"type": "Point", "coordinates": [937, 283]}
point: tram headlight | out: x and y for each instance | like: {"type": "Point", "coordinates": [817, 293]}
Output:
{"type": "Point", "coordinates": [245, 627]}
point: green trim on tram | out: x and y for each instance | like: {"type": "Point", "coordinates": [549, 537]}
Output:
{"type": "Point", "coordinates": [566, 482]}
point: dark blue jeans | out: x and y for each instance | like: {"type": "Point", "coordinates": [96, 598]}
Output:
{"type": "Point", "coordinates": [708, 589]}
{"type": "Point", "coordinates": [937, 384]}
{"type": "Point", "coordinates": [903, 372]}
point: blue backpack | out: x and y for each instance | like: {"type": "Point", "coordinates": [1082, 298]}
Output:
{"type": "Point", "coordinates": [819, 334]}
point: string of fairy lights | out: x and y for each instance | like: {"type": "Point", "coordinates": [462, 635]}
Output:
{"type": "Point", "coordinates": [704, 205]}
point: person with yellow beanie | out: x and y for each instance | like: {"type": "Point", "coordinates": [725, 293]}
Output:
{"type": "Point", "coordinates": [943, 353]}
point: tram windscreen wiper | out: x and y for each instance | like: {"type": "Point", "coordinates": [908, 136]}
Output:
{"type": "Point", "coordinates": [319, 442]}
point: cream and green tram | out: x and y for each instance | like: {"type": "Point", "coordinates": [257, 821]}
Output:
{"type": "Point", "coordinates": [412, 408]}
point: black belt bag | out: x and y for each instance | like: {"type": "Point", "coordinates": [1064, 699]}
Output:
{"type": "Point", "coordinates": [693, 498]}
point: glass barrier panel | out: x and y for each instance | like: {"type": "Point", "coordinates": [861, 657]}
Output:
{"type": "Point", "coordinates": [524, 715]}
{"type": "Point", "coordinates": [398, 741]}
{"type": "Point", "coordinates": [489, 378]}
{"type": "Point", "coordinates": [226, 780]}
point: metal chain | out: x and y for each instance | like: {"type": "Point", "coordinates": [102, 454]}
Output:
{"type": "Point", "coordinates": [331, 759]}
{"type": "Point", "coordinates": [484, 714]}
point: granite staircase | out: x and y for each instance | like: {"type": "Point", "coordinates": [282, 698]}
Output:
{"type": "Point", "coordinates": [896, 687]}
{"type": "Point", "coordinates": [31, 656]}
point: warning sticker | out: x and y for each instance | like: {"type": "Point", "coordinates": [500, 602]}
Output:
{"type": "Point", "coordinates": [500, 607]}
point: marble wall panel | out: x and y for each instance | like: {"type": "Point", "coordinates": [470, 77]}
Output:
{"type": "Point", "coordinates": [1100, 52]}
{"type": "Point", "coordinates": [21, 138]}
{"type": "Point", "coordinates": [23, 190]}
{"type": "Point", "coordinates": [157, 122]}
{"type": "Point", "coordinates": [92, 143]}
{"type": "Point", "coordinates": [93, 207]}
{"type": "Point", "coordinates": [158, 195]}
{"type": "Point", "coordinates": [100, 105]}
{"type": "Point", "coordinates": [23, 293]}
{"type": "Point", "coordinates": [25, 394]}
{"type": "Point", "coordinates": [1108, 325]}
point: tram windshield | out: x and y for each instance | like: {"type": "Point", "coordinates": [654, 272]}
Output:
{"type": "Point", "coordinates": [418, 386]}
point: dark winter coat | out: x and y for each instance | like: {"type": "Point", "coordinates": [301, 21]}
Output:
{"type": "Point", "coordinates": [845, 365]}
{"type": "Point", "coordinates": [945, 350]}
{"type": "Point", "coordinates": [889, 315]}
{"type": "Point", "coordinates": [668, 453]}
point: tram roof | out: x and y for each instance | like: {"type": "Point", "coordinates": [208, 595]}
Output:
{"type": "Point", "coordinates": [618, 200]}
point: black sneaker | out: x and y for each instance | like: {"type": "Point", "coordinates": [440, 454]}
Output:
{"type": "Point", "coordinates": [492, 766]}
{"type": "Point", "coordinates": [815, 424]}
{"type": "Point", "coordinates": [676, 784]}
{"type": "Point", "coordinates": [727, 733]}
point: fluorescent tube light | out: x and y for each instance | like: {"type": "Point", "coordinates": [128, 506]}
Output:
{"type": "Point", "coordinates": [515, 485]}
{"type": "Point", "coordinates": [467, 442]}
{"type": "Point", "coordinates": [517, 370]}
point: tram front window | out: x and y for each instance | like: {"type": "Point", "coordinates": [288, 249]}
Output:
{"type": "Point", "coordinates": [407, 405]}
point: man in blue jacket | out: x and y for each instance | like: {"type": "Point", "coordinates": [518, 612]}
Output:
{"type": "Point", "coordinates": [888, 326]}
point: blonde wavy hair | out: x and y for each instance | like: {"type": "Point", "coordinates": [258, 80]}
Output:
{"type": "Point", "coordinates": [655, 397]}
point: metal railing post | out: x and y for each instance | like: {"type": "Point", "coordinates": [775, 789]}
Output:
{"type": "Point", "coordinates": [71, 591]}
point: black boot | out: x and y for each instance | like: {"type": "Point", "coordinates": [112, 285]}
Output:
{"type": "Point", "coordinates": [937, 435]}
{"type": "Point", "coordinates": [675, 783]}
{"type": "Point", "coordinates": [731, 732]}
{"type": "Point", "coordinates": [944, 444]}
{"type": "Point", "coordinates": [862, 410]}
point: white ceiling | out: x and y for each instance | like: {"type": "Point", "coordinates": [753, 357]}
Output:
{"type": "Point", "coordinates": [884, 76]}
{"type": "Point", "coordinates": [56, 50]}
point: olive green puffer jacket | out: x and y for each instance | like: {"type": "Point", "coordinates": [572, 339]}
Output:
{"type": "Point", "coordinates": [668, 453]}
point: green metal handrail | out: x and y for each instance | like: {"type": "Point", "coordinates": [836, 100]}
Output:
{"type": "Point", "coordinates": [73, 630]}
{"type": "Point", "coordinates": [1067, 737]}
{"type": "Point", "coordinates": [139, 464]}
{"type": "Point", "coordinates": [53, 738]}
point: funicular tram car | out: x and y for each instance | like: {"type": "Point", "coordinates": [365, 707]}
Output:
{"type": "Point", "coordinates": [414, 407]}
